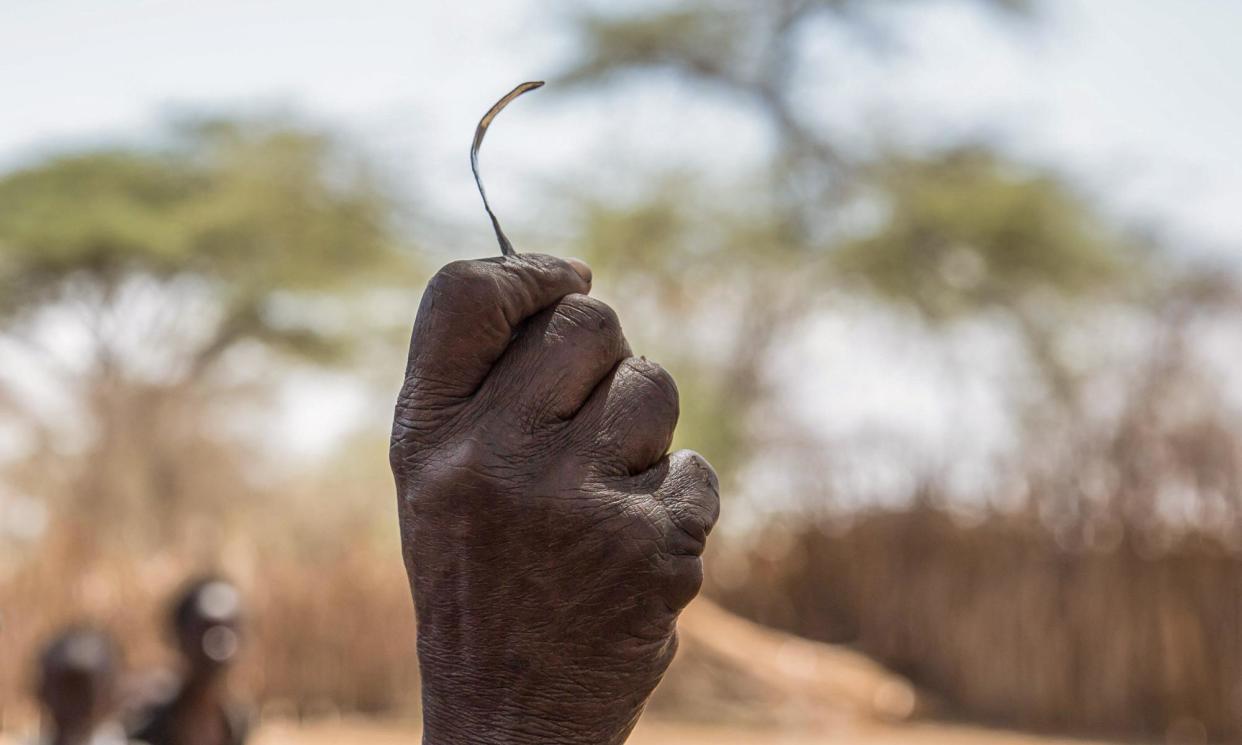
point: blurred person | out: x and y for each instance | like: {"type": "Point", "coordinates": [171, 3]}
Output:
{"type": "Point", "coordinates": [198, 710]}
{"type": "Point", "coordinates": [77, 689]}
{"type": "Point", "coordinates": [550, 538]}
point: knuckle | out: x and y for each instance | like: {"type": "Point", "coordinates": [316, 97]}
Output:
{"type": "Point", "coordinates": [656, 380]}
{"type": "Point", "coordinates": [670, 650]}
{"type": "Point", "coordinates": [534, 262]}
{"type": "Point", "coordinates": [533, 415]}
{"type": "Point", "coordinates": [397, 455]}
{"type": "Point", "coordinates": [588, 313]}
{"type": "Point", "coordinates": [693, 499]}
{"type": "Point", "coordinates": [474, 467]}
{"type": "Point", "coordinates": [462, 277]}
{"type": "Point", "coordinates": [536, 271]}
{"type": "Point", "coordinates": [694, 521]}
{"type": "Point", "coordinates": [684, 580]}
{"type": "Point", "coordinates": [697, 471]}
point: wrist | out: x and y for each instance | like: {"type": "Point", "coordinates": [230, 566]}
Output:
{"type": "Point", "coordinates": [465, 703]}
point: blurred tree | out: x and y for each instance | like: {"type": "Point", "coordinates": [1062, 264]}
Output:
{"type": "Point", "coordinates": [752, 50]}
{"type": "Point", "coordinates": [960, 235]}
{"type": "Point", "coordinates": [966, 231]}
{"type": "Point", "coordinates": [1121, 491]}
{"type": "Point", "coordinates": [138, 278]}
{"type": "Point", "coordinates": [951, 235]}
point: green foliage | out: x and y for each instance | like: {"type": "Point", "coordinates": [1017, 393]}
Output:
{"type": "Point", "coordinates": [697, 37]}
{"type": "Point", "coordinates": [253, 236]}
{"type": "Point", "coordinates": [252, 212]}
{"type": "Point", "coordinates": [955, 233]}
{"type": "Point", "coordinates": [965, 231]}
{"type": "Point", "coordinates": [723, 42]}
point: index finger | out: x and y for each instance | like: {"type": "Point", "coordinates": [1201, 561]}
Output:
{"type": "Point", "coordinates": [470, 311]}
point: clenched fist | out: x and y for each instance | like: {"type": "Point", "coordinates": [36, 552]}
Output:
{"type": "Point", "coordinates": [550, 540]}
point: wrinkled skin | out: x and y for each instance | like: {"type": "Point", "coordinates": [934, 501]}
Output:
{"type": "Point", "coordinates": [549, 539]}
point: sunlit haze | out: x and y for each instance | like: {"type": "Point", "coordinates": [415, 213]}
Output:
{"type": "Point", "coordinates": [1138, 102]}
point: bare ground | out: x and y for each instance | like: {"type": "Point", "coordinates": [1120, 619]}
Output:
{"type": "Point", "coordinates": [661, 733]}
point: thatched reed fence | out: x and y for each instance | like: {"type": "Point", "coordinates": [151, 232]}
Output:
{"type": "Point", "coordinates": [1005, 622]}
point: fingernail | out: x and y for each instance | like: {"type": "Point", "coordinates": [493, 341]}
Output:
{"type": "Point", "coordinates": [581, 268]}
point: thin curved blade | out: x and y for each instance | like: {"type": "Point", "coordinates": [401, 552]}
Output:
{"type": "Point", "coordinates": [506, 248]}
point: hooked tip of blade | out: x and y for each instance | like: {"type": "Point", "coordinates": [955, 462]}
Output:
{"type": "Point", "coordinates": [506, 248]}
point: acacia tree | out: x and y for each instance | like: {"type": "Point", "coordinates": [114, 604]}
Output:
{"type": "Point", "coordinates": [144, 290]}
{"type": "Point", "coordinates": [956, 236]}
{"type": "Point", "coordinates": [959, 233]}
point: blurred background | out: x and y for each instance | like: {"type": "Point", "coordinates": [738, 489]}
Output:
{"type": "Point", "coordinates": [950, 289]}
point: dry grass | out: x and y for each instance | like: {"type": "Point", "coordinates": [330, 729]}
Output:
{"type": "Point", "coordinates": [333, 633]}
{"type": "Point", "coordinates": [1008, 624]}
{"type": "Point", "coordinates": [998, 620]}
{"type": "Point", "coordinates": [328, 633]}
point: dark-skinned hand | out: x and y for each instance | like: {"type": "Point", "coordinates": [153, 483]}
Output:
{"type": "Point", "coordinates": [550, 539]}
